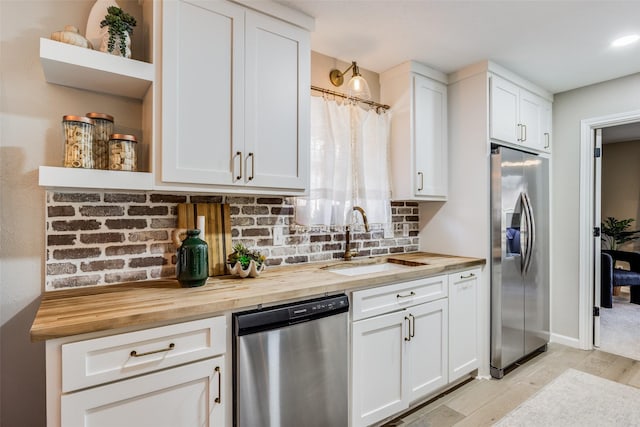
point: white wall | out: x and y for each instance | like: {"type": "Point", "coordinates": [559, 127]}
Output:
{"type": "Point", "coordinates": [569, 108]}
{"type": "Point", "coordinates": [30, 135]}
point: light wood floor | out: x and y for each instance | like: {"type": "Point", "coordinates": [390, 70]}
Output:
{"type": "Point", "coordinates": [483, 402]}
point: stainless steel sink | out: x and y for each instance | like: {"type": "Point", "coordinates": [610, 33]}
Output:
{"type": "Point", "coordinates": [381, 267]}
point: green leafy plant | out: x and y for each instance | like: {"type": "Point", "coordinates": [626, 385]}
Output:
{"type": "Point", "coordinates": [119, 23]}
{"type": "Point", "coordinates": [244, 256]}
{"type": "Point", "coordinates": [615, 233]}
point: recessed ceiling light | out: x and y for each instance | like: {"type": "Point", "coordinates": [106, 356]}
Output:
{"type": "Point", "coordinates": [623, 41]}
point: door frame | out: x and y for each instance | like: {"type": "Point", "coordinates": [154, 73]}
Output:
{"type": "Point", "coordinates": [586, 210]}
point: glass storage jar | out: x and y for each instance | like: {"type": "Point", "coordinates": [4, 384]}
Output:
{"type": "Point", "coordinates": [78, 141]}
{"type": "Point", "coordinates": [101, 133]}
{"type": "Point", "coordinates": [122, 152]}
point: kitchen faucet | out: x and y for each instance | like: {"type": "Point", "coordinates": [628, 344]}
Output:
{"type": "Point", "coordinates": [347, 252]}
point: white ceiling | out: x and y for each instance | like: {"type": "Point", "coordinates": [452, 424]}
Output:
{"type": "Point", "coordinates": [558, 45]}
{"type": "Point", "coordinates": [621, 133]}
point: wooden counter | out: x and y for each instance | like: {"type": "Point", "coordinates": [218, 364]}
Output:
{"type": "Point", "coordinates": [148, 303]}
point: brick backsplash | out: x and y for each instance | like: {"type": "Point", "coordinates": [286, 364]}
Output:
{"type": "Point", "coordinates": [104, 238]}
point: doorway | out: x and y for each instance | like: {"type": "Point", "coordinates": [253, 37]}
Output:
{"type": "Point", "coordinates": [589, 218]}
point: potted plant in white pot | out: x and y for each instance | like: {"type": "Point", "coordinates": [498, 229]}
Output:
{"type": "Point", "coordinates": [244, 262]}
{"type": "Point", "coordinates": [117, 38]}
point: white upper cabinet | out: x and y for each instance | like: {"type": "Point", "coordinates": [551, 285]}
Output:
{"type": "Point", "coordinates": [226, 109]}
{"type": "Point", "coordinates": [276, 103]}
{"type": "Point", "coordinates": [200, 94]}
{"type": "Point", "coordinates": [419, 158]}
{"type": "Point", "coordinates": [518, 116]}
{"type": "Point", "coordinates": [235, 106]}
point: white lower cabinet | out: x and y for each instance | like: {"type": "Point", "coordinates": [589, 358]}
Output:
{"type": "Point", "coordinates": [397, 357]}
{"type": "Point", "coordinates": [188, 395]}
{"type": "Point", "coordinates": [427, 349]}
{"type": "Point", "coordinates": [378, 368]}
{"type": "Point", "coordinates": [409, 341]}
{"type": "Point", "coordinates": [174, 375]}
{"type": "Point", "coordinates": [463, 323]}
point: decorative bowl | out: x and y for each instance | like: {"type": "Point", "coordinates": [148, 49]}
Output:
{"type": "Point", "coordinates": [251, 271]}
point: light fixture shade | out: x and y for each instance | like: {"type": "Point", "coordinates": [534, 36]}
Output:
{"type": "Point", "coordinates": [358, 87]}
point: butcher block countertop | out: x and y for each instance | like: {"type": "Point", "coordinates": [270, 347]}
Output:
{"type": "Point", "coordinates": [149, 303]}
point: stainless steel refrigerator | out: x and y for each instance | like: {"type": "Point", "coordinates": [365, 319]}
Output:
{"type": "Point", "coordinates": [520, 256]}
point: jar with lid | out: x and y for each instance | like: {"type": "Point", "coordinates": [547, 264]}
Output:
{"type": "Point", "coordinates": [78, 141]}
{"type": "Point", "coordinates": [122, 152]}
{"type": "Point", "coordinates": [101, 132]}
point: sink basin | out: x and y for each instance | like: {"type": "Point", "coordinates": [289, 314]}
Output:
{"type": "Point", "coordinates": [383, 267]}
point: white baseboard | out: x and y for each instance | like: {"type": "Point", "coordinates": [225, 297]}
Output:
{"type": "Point", "coordinates": [564, 340]}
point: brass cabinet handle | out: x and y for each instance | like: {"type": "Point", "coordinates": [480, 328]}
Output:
{"type": "Point", "coordinates": [218, 371]}
{"type": "Point", "coordinates": [421, 175]}
{"type": "Point", "coordinates": [411, 294]}
{"type": "Point", "coordinates": [519, 138]}
{"type": "Point", "coordinates": [412, 326]}
{"type": "Point", "coordinates": [136, 354]}
{"type": "Point", "coordinates": [239, 154]}
{"type": "Point", "coordinates": [408, 338]}
{"type": "Point", "coordinates": [253, 166]}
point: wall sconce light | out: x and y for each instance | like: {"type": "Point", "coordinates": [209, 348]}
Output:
{"type": "Point", "coordinates": [357, 86]}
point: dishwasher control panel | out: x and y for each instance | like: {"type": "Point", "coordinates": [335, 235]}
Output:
{"type": "Point", "coordinates": [324, 306]}
{"type": "Point", "coordinates": [278, 316]}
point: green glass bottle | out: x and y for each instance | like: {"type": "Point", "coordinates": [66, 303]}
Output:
{"type": "Point", "coordinates": [192, 265]}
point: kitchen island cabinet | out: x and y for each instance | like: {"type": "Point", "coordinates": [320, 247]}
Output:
{"type": "Point", "coordinates": [419, 153]}
{"type": "Point", "coordinates": [235, 112]}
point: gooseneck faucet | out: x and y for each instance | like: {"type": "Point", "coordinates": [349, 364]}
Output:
{"type": "Point", "coordinates": [347, 252]}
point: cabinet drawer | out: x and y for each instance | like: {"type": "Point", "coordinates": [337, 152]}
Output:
{"type": "Point", "coordinates": [385, 299]}
{"type": "Point", "coordinates": [100, 360]}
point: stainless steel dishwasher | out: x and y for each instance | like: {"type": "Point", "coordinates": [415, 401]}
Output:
{"type": "Point", "coordinates": [291, 365]}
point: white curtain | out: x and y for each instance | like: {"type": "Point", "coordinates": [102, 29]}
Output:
{"type": "Point", "coordinates": [349, 166]}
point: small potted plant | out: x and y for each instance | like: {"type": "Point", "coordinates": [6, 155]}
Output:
{"type": "Point", "coordinates": [244, 262]}
{"type": "Point", "coordinates": [119, 29]}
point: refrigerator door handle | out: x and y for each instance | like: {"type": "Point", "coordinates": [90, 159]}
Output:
{"type": "Point", "coordinates": [524, 234]}
{"type": "Point", "coordinates": [531, 230]}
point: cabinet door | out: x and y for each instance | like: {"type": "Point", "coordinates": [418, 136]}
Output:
{"type": "Point", "coordinates": [189, 395]}
{"type": "Point", "coordinates": [427, 348]}
{"type": "Point", "coordinates": [531, 120]}
{"type": "Point", "coordinates": [277, 76]}
{"type": "Point", "coordinates": [463, 321]}
{"type": "Point", "coordinates": [504, 102]}
{"type": "Point", "coordinates": [202, 90]}
{"type": "Point", "coordinates": [430, 137]}
{"type": "Point", "coordinates": [378, 368]}
{"type": "Point", "coordinates": [547, 118]}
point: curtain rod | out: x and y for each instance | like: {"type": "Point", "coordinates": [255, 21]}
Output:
{"type": "Point", "coordinates": [342, 95]}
